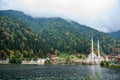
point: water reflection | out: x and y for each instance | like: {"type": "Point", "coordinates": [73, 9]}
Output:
{"type": "Point", "coordinates": [93, 69]}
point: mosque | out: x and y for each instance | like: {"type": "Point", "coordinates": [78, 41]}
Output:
{"type": "Point", "coordinates": [92, 57]}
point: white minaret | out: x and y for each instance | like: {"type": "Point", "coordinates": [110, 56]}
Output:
{"type": "Point", "coordinates": [92, 45]}
{"type": "Point", "coordinates": [92, 48]}
{"type": "Point", "coordinates": [98, 48]}
{"type": "Point", "coordinates": [92, 56]}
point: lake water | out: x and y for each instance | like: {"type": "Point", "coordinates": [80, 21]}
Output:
{"type": "Point", "coordinates": [56, 72]}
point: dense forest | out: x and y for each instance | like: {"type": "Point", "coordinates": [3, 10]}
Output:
{"type": "Point", "coordinates": [115, 34]}
{"type": "Point", "coordinates": [70, 36]}
{"type": "Point", "coordinates": [39, 37]}
{"type": "Point", "coordinates": [17, 38]}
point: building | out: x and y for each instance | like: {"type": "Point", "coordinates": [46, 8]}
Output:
{"type": "Point", "coordinates": [118, 58]}
{"type": "Point", "coordinates": [112, 56]}
{"type": "Point", "coordinates": [92, 57]}
{"type": "Point", "coordinates": [41, 61]}
{"type": "Point", "coordinates": [53, 57]}
{"type": "Point", "coordinates": [4, 61]}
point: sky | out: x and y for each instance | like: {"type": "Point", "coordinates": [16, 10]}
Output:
{"type": "Point", "coordinates": [103, 15]}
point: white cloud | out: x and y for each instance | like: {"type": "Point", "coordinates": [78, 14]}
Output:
{"type": "Point", "coordinates": [88, 12]}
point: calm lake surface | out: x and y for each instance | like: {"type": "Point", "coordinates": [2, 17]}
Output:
{"type": "Point", "coordinates": [55, 72]}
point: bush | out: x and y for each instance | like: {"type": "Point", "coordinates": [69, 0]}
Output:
{"type": "Point", "coordinates": [48, 62]}
{"type": "Point", "coordinates": [104, 64]}
{"type": "Point", "coordinates": [15, 59]}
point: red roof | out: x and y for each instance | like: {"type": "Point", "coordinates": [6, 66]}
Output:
{"type": "Point", "coordinates": [113, 54]}
{"type": "Point", "coordinates": [53, 56]}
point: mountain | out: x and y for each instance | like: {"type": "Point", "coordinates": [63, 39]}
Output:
{"type": "Point", "coordinates": [115, 34]}
{"type": "Point", "coordinates": [21, 16]}
{"type": "Point", "coordinates": [17, 38]}
{"type": "Point", "coordinates": [70, 36]}
{"type": "Point", "coordinates": [53, 35]}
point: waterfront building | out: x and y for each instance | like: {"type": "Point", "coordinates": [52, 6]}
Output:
{"type": "Point", "coordinates": [53, 57]}
{"type": "Point", "coordinates": [41, 61]}
{"type": "Point", "coordinates": [92, 57]}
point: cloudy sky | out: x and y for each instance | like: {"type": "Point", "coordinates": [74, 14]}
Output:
{"type": "Point", "coordinates": [103, 15]}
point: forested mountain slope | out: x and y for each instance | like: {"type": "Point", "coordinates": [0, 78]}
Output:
{"type": "Point", "coordinates": [43, 36]}
{"type": "Point", "coordinates": [21, 16]}
{"type": "Point", "coordinates": [17, 38]}
{"type": "Point", "coordinates": [71, 36]}
{"type": "Point", "coordinates": [115, 34]}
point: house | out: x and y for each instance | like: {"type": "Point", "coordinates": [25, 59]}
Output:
{"type": "Point", "coordinates": [118, 58]}
{"type": "Point", "coordinates": [112, 56]}
{"type": "Point", "coordinates": [41, 61]}
{"type": "Point", "coordinates": [4, 61]}
{"type": "Point", "coordinates": [53, 57]}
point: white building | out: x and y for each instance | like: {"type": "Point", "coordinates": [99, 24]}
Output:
{"type": "Point", "coordinates": [92, 57]}
{"type": "Point", "coordinates": [41, 61]}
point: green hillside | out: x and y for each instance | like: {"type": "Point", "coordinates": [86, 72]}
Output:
{"type": "Point", "coordinates": [115, 34]}
{"type": "Point", "coordinates": [39, 37]}
{"type": "Point", "coordinates": [17, 38]}
{"type": "Point", "coordinates": [72, 37]}
{"type": "Point", "coordinates": [21, 16]}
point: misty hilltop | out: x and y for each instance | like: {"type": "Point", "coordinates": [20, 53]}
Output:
{"type": "Point", "coordinates": [98, 14]}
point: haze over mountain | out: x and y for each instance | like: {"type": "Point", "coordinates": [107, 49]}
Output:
{"type": "Point", "coordinates": [115, 34]}
{"type": "Point", "coordinates": [39, 37]}
{"type": "Point", "coordinates": [103, 15]}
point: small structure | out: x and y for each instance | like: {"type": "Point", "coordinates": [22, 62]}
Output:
{"type": "Point", "coordinates": [4, 61]}
{"type": "Point", "coordinates": [53, 57]}
{"type": "Point", "coordinates": [118, 58]}
{"type": "Point", "coordinates": [106, 58]}
{"type": "Point", "coordinates": [112, 56]}
{"type": "Point", "coordinates": [41, 61]}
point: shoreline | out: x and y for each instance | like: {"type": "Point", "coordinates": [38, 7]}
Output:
{"type": "Point", "coordinates": [112, 66]}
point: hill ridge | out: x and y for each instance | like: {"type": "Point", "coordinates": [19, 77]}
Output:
{"type": "Point", "coordinates": [55, 34]}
